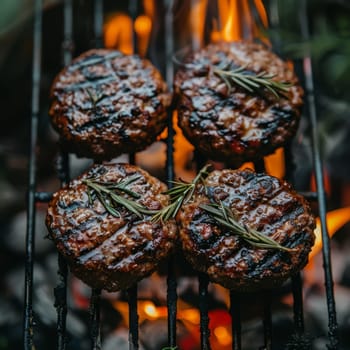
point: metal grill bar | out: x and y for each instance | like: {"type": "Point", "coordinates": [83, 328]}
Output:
{"type": "Point", "coordinates": [30, 229]}
{"type": "Point", "coordinates": [169, 73]}
{"type": "Point", "coordinates": [60, 293]}
{"type": "Point", "coordinates": [297, 284]}
{"type": "Point", "coordinates": [96, 293]}
{"type": "Point", "coordinates": [98, 23]}
{"type": "Point", "coordinates": [235, 311]}
{"type": "Point", "coordinates": [203, 309]}
{"type": "Point", "coordinates": [63, 174]}
{"type": "Point", "coordinates": [318, 167]}
{"type": "Point", "coordinates": [298, 304]}
{"type": "Point", "coordinates": [43, 197]}
{"type": "Point", "coordinates": [95, 319]}
{"type": "Point", "coordinates": [133, 319]}
{"type": "Point", "coordinates": [259, 165]}
{"type": "Point", "coordinates": [132, 9]}
{"type": "Point", "coordinates": [267, 321]}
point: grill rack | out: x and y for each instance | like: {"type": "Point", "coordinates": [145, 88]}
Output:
{"type": "Point", "coordinates": [60, 291]}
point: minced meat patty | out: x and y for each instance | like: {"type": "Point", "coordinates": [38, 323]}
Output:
{"type": "Point", "coordinates": [104, 250]}
{"type": "Point", "coordinates": [235, 125]}
{"type": "Point", "coordinates": [260, 202]}
{"type": "Point", "coordinates": [106, 103]}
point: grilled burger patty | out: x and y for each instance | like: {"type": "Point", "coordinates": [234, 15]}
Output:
{"type": "Point", "coordinates": [236, 125]}
{"type": "Point", "coordinates": [261, 202]}
{"type": "Point", "coordinates": [103, 250]}
{"type": "Point", "coordinates": [106, 103]}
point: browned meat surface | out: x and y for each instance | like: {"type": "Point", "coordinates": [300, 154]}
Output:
{"type": "Point", "coordinates": [261, 202]}
{"type": "Point", "coordinates": [106, 103]}
{"type": "Point", "coordinates": [103, 250]}
{"type": "Point", "coordinates": [238, 125]}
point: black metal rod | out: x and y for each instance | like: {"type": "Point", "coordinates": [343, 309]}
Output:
{"type": "Point", "coordinates": [289, 163]}
{"type": "Point", "coordinates": [259, 165]}
{"type": "Point", "coordinates": [98, 23]}
{"type": "Point", "coordinates": [297, 287]}
{"type": "Point", "coordinates": [171, 303]}
{"type": "Point", "coordinates": [169, 76]}
{"type": "Point", "coordinates": [60, 293]}
{"type": "Point", "coordinates": [67, 45]}
{"type": "Point", "coordinates": [318, 167]}
{"type": "Point", "coordinates": [311, 196]}
{"type": "Point", "coordinates": [30, 228]}
{"type": "Point", "coordinates": [235, 311]}
{"type": "Point", "coordinates": [43, 197]}
{"type": "Point", "coordinates": [133, 9]}
{"type": "Point", "coordinates": [63, 174]}
{"type": "Point", "coordinates": [133, 319]}
{"type": "Point", "coordinates": [203, 310]}
{"type": "Point", "coordinates": [95, 319]}
{"type": "Point", "coordinates": [267, 322]}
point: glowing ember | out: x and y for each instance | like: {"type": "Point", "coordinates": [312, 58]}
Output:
{"type": "Point", "coordinates": [150, 310]}
{"type": "Point", "coordinates": [191, 315]}
{"type": "Point", "coordinates": [223, 335]}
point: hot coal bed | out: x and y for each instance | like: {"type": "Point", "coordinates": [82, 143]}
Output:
{"type": "Point", "coordinates": [176, 307]}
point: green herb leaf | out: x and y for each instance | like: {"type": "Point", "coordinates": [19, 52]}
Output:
{"type": "Point", "coordinates": [109, 194]}
{"type": "Point", "coordinates": [250, 81]}
{"type": "Point", "coordinates": [180, 194]}
{"type": "Point", "coordinates": [225, 217]}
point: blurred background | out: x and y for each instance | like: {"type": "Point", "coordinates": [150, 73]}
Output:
{"type": "Point", "coordinates": [329, 45]}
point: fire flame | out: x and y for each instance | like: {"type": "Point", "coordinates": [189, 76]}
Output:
{"type": "Point", "coordinates": [118, 33]}
{"type": "Point", "coordinates": [237, 21]}
{"type": "Point", "coordinates": [118, 30]}
{"type": "Point", "coordinates": [336, 219]}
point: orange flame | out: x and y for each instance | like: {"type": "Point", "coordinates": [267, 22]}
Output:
{"type": "Point", "coordinates": [274, 163]}
{"type": "Point", "coordinates": [237, 21]}
{"type": "Point", "coordinates": [118, 33]}
{"type": "Point", "coordinates": [118, 30]}
{"type": "Point", "coordinates": [223, 335]}
{"type": "Point", "coordinates": [143, 27]}
{"type": "Point", "coordinates": [230, 19]}
{"type": "Point", "coordinates": [336, 219]}
{"type": "Point", "coordinates": [197, 22]}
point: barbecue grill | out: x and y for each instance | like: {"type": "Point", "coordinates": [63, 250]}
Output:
{"type": "Point", "coordinates": [235, 310]}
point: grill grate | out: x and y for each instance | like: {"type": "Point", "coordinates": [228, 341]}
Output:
{"type": "Point", "coordinates": [34, 197]}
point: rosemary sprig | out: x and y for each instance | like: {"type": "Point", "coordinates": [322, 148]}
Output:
{"type": "Point", "coordinates": [225, 217]}
{"type": "Point", "coordinates": [180, 194]}
{"type": "Point", "coordinates": [250, 81]}
{"type": "Point", "coordinates": [107, 194]}
{"type": "Point", "coordinates": [94, 99]}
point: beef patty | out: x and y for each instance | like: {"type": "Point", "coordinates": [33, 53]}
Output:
{"type": "Point", "coordinates": [260, 202]}
{"type": "Point", "coordinates": [235, 125]}
{"type": "Point", "coordinates": [104, 250]}
{"type": "Point", "coordinates": [106, 103]}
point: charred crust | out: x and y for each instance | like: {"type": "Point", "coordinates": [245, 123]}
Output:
{"type": "Point", "coordinates": [106, 103]}
{"type": "Point", "coordinates": [262, 202]}
{"type": "Point", "coordinates": [105, 251]}
{"type": "Point", "coordinates": [235, 126]}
